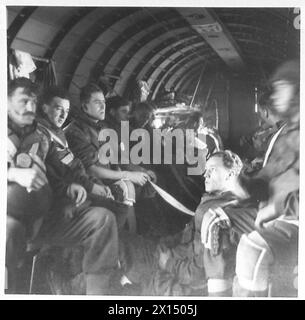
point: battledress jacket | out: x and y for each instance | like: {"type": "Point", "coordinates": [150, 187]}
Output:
{"type": "Point", "coordinates": [281, 172]}
{"type": "Point", "coordinates": [65, 155]}
{"type": "Point", "coordinates": [59, 176]}
{"type": "Point", "coordinates": [279, 180]}
{"type": "Point", "coordinates": [83, 137]}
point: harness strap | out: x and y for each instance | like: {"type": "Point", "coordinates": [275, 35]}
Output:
{"type": "Point", "coordinates": [271, 144]}
{"type": "Point", "coordinates": [171, 200]}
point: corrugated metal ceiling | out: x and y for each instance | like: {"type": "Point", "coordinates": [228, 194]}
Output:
{"type": "Point", "coordinates": [158, 45]}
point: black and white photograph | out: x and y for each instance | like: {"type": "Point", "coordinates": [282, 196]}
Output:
{"type": "Point", "coordinates": [153, 150]}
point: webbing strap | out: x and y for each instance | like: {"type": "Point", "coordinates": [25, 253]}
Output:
{"type": "Point", "coordinates": [55, 137]}
{"type": "Point", "coordinates": [271, 144]}
{"type": "Point", "coordinates": [171, 200]}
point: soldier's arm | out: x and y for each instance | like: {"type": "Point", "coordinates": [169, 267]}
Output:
{"type": "Point", "coordinates": [105, 173]}
{"type": "Point", "coordinates": [27, 177]}
{"type": "Point", "coordinates": [60, 175]}
{"type": "Point", "coordinates": [88, 155]}
{"type": "Point", "coordinates": [80, 176]}
{"type": "Point", "coordinates": [81, 148]}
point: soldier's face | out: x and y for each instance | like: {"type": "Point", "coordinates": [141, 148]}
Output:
{"type": "Point", "coordinates": [95, 107]}
{"type": "Point", "coordinates": [122, 113]}
{"type": "Point", "coordinates": [144, 117]}
{"type": "Point", "coordinates": [57, 111]}
{"type": "Point", "coordinates": [283, 93]}
{"type": "Point", "coordinates": [22, 107]}
{"type": "Point", "coordinates": [267, 116]}
{"type": "Point", "coordinates": [216, 175]}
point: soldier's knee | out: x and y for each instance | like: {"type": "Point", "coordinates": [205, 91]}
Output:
{"type": "Point", "coordinates": [14, 228]}
{"type": "Point", "coordinates": [101, 217]}
{"type": "Point", "coordinates": [15, 241]}
{"type": "Point", "coordinates": [253, 260]}
{"type": "Point", "coordinates": [124, 191]}
{"type": "Point", "coordinates": [22, 204]}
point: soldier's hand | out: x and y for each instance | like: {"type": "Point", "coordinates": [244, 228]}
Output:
{"type": "Point", "coordinates": [152, 175]}
{"type": "Point", "coordinates": [30, 178]}
{"type": "Point", "coordinates": [77, 193]}
{"type": "Point", "coordinates": [264, 215]}
{"type": "Point", "coordinates": [137, 177]}
{"type": "Point", "coordinates": [163, 258]}
{"type": "Point", "coordinates": [102, 191]}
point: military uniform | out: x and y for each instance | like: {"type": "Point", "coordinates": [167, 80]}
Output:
{"type": "Point", "coordinates": [282, 167]}
{"type": "Point", "coordinates": [150, 216]}
{"type": "Point", "coordinates": [197, 266]}
{"type": "Point", "coordinates": [190, 265]}
{"type": "Point", "coordinates": [83, 138]}
{"type": "Point", "coordinates": [67, 157]}
{"type": "Point", "coordinates": [279, 237]}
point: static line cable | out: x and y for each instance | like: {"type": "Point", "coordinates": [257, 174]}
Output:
{"type": "Point", "coordinates": [201, 73]}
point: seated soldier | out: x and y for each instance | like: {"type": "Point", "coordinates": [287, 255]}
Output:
{"type": "Point", "coordinates": [82, 135]}
{"type": "Point", "coordinates": [149, 214]}
{"type": "Point", "coordinates": [201, 259]}
{"type": "Point", "coordinates": [142, 116]}
{"type": "Point", "coordinates": [53, 109]}
{"type": "Point", "coordinates": [45, 205]}
{"type": "Point", "coordinates": [118, 110]}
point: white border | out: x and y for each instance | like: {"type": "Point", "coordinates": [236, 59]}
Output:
{"type": "Point", "coordinates": [151, 3]}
